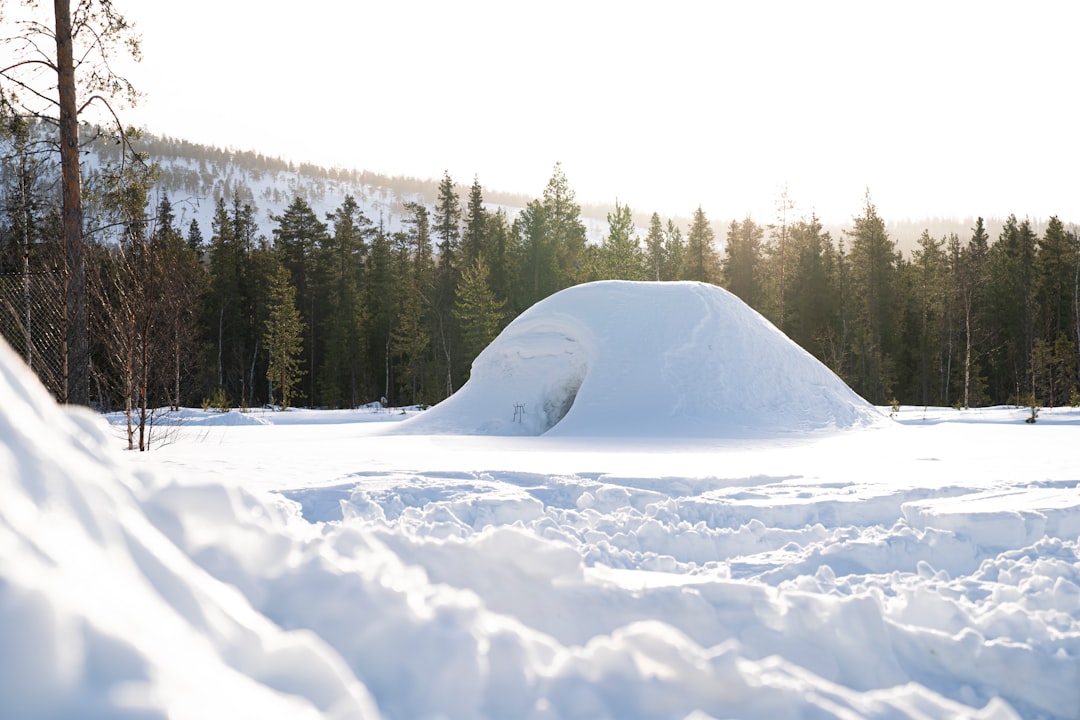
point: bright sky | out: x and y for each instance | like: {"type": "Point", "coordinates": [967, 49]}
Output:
{"type": "Point", "coordinates": [939, 108]}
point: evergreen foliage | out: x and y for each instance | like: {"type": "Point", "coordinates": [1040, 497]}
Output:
{"type": "Point", "coordinates": [401, 314]}
{"type": "Point", "coordinates": [741, 270]}
{"type": "Point", "coordinates": [699, 259]}
{"type": "Point", "coordinates": [479, 311]}
{"type": "Point", "coordinates": [873, 270]}
{"type": "Point", "coordinates": [620, 255]}
{"type": "Point", "coordinates": [283, 336]}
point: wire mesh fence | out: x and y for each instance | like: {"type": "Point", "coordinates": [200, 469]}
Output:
{"type": "Point", "coordinates": [32, 322]}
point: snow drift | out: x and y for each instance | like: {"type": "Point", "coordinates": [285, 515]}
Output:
{"type": "Point", "coordinates": [102, 615]}
{"type": "Point", "coordinates": [645, 359]}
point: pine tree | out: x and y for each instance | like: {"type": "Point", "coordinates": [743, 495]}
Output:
{"type": "Point", "coordinates": [500, 255]}
{"type": "Point", "coordinates": [65, 67]}
{"type": "Point", "coordinates": [741, 268]}
{"type": "Point", "coordinates": [776, 264]}
{"type": "Point", "coordinates": [564, 230]}
{"type": "Point", "coordinates": [474, 240]}
{"type": "Point", "coordinates": [479, 311]}
{"type": "Point", "coordinates": [411, 336]}
{"type": "Point", "coordinates": [383, 281]}
{"type": "Point", "coordinates": [971, 282]}
{"type": "Point", "coordinates": [654, 248]}
{"type": "Point", "coordinates": [927, 272]}
{"type": "Point", "coordinates": [1011, 306]}
{"type": "Point", "coordinates": [447, 225]}
{"type": "Point", "coordinates": [873, 266]}
{"type": "Point", "coordinates": [700, 259]}
{"type": "Point", "coordinates": [620, 256]}
{"type": "Point", "coordinates": [447, 274]}
{"type": "Point", "coordinates": [537, 257]}
{"type": "Point", "coordinates": [298, 239]}
{"type": "Point", "coordinates": [182, 283]}
{"type": "Point", "coordinates": [813, 299]}
{"type": "Point", "coordinates": [227, 298]}
{"type": "Point", "coordinates": [341, 268]}
{"type": "Point", "coordinates": [233, 307]}
{"type": "Point", "coordinates": [195, 239]}
{"type": "Point", "coordinates": [674, 252]}
{"type": "Point", "coordinates": [1054, 285]}
{"type": "Point", "coordinates": [283, 336]}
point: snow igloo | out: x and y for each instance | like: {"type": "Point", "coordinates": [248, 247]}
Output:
{"type": "Point", "coordinates": [645, 359]}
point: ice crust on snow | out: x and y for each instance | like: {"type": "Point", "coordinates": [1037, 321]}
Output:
{"type": "Point", "coordinates": [645, 359]}
{"type": "Point", "coordinates": [312, 564]}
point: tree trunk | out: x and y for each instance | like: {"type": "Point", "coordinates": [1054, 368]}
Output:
{"type": "Point", "coordinates": [176, 367]}
{"type": "Point", "coordinates": [144, 382]}
{"type": "Point", "coordinates": [1076, 301]}
{"type": "Point", "coordinates": [967, 351]}
{"type": "Point", "coordinates": [220, 342]}
{"type": "Point", "coordinates": [76, 385]}
{"type": "Point", "coordinates": [129, 376]}
{"type": "Point", "coordinates": [251, 375]}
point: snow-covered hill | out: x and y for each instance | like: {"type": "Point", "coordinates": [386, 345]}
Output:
{"type": "Point", "coordinates": [195, 177]}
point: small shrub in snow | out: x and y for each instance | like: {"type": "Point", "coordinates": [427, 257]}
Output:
{"type": "Point", "coordinates": [217, 401]}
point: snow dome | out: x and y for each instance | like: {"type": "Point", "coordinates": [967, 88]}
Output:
{"type": "Point", "coordinates": [645, 359]}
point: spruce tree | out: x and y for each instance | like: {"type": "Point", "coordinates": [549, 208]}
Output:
{"type": "Point", "coordinates": [927, 272]}
{"type": "Point", "coordinates": [674, 252]}
{"type": "Point", "coordinates": [1054, 282]}
{"type": "Point", "coordinates": [298, 239]}
{"type": "Point", "coordinates": [182, 283]}
{"type": "Point", "coordinates": [411, 333]}
{"type": "Point", "coordinates": [479, 311]}
{"type": "Point", "coordinates": [282, 336]}
{"type": "Point", "coordinates": [620, 256]}
{"type": "Point", "coordinates": [501, 255]}
{"type": "Point", "coordinates": [474, 238]}
{"type": "Point", "coordinates": [873, 266]}
{"type": "Point", "coordinates": [447, 228]}
{"type": "Point", "coordinates": [232, 310]}
{"type": "Point", "coordinates": [565, 233]}
{"type": "Point", "coordinates": [537, 256]}
{"type": "Point", "coordinates": [1011, 316]}
{"type": "Point", "coordinates": [741, 268]}
{"type": "Point", "coordinates": [777, 256]}
{"type": "Point", "coordinates": [700, 259]}
{"type": "Point", "coordinates": [654, 248]}
{"type": "Point", "coordinates": [971, 282]}
{"type": "Point", "coordinates": [341, 269]}
{"type": "Point", "coordinates": [195, 239]}
{"type": "Point", "coordinates": [813, 300]}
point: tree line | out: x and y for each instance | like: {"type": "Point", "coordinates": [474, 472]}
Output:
{"type": "Point", "coordinates": [337, 311]}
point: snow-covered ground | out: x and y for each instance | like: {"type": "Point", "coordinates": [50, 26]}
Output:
{"type": "Point", "coordinates": [359, 564]}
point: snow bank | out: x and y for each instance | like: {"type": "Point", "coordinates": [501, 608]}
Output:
{"type": "Point", "coordinates": [101, 615]}
{"type": "Point", "coordinates": [645, 359]}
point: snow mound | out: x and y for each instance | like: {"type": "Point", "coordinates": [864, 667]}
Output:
{"type": "Point", "coordinates": [645, 359]}
{"type": "Point", "coordinates": [102, 615]}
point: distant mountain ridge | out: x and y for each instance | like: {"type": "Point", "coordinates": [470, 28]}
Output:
{"type": "Point", "coordinates": [195, 176]}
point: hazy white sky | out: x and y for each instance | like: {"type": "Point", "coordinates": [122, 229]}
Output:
{"type": "Point", "coordinates": [940, 108]}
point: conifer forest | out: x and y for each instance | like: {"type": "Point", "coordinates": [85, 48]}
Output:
{"type": "Point", "coordinates": [339, 310]}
